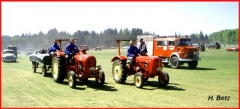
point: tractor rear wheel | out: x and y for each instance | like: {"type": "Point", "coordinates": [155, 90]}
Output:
{"type": "Point", "coordinates": [58, 69]}
{"type": "Point", "coordinates": [34, 67]}
{"type": "Point", "coordinates": [119, 71]}
{"type": "Point", "coordinates": [192, 64]}
{"type": "Point", "coordinates": [138, 80]}
{"type": "Point", "coordinates": [44, 70]}
{"type": "Point", "coordinates": [72, 79]}
{"type": "Point", "coordinates": [174, 62]}
{"type": "Point", "coordinates": [100, 79]}
{"type": "Point", "coordinates": [163, 79]}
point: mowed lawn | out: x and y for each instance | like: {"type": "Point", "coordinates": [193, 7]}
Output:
{"type": "Point", "coordinates": [215, 77]}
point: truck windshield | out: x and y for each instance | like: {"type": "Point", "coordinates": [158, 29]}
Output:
{"type": "Point", "coordinates": [185, 42]}
{"type": "Point", "coordinates": [12, 48]}
{"type": "Point", "coordinates": [8, 52]}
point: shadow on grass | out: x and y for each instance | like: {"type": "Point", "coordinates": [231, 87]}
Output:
{"type": "Point", "coordinates": [11, 62]}
{"type": "Point", "coordinates": [48, 74]}
{"type": "Point", "coordinates": [186, 67]}
{"type": "Point", "coordinates": [92, 84]}
{"type": "Point", "coordinates": [154, 85]}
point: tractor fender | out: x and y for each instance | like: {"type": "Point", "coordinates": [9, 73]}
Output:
{"type": "Point", "coordinates": [119, 58]}
{"type": "Point", "coordinates": [59, 54]}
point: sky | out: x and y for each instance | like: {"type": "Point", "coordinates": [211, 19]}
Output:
{"type": "Point", "coordinates": [162, 18]}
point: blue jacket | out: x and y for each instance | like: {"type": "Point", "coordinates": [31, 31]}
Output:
{"type": "Point", "coordinates": [53, 48]}
{"type": "Point", "coordinates": [71, 48]}
{"type": "Point", "coordinates": [132, 51]}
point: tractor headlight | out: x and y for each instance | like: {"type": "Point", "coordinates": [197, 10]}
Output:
{"type": "Point", "coordinates": [159, 68]}
{"type": "Point", "coordinates": [80, 67]}
{"type": "Point", "coordinates": [145, 65]}
{"type": "Point", "coordinates": [14, 56]}
{"type": "Point", "coordinates": [196, 54]}
{"type": "Point", "coordinates": [185, 55]}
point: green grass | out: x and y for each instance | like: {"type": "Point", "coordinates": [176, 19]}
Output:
{"type": "Point", "coordinates": [216, 74]}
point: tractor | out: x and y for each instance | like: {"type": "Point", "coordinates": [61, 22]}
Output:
{"type": "Point", "coordinates": [143, 67]}
{"type": "Point", "coordinates": [82, 66]}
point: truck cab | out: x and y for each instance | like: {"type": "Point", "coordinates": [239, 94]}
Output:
{"type": "Point", "coordinates": [171, 49]}
{"type": "Point", "coordinates": [14, 48]}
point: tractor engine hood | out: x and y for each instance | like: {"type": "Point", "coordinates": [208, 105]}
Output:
{"type": "Point", "coordinates": [88, 62]}
{"type": "Point", "coordinates": [150, 63]}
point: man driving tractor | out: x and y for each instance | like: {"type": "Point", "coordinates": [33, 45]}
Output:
{"type": "Point", "coordinates": [132, 52]}
{"type": "Point", "coordinates": [71, 49]}
{"type": "Point", "coordinates": [54, 47]}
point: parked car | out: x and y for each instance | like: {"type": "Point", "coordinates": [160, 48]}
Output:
{"type": "Point", "coordinates": [29, 53]}
{"type": "Point", "coordinates": [8, 55]}
{"type": "Point", "coordinates": [234, 48]}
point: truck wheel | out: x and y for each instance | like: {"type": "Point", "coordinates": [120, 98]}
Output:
{"type": "Point", "coordinates": [119, 71]}
{"type": "Point", "coordinates": [138, 80]}
{"type": "Point", "coordinates": [34, 67]}
{"type": "Point", "coordinates": [192, 64]}
{"type": "Point", "coordinates": [72, 79]}
{"type": "Point", "coordinates": [163, 79]}
{"type": "Point", "coordinates": [174, 62]}
{"type": "Point", "coordinates": [58, 69]}
{"type": "Point", "coordinates": [44, 70]}
{"type": "Point", "coordinates": [101, 79]}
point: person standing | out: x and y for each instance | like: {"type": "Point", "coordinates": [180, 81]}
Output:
{"type": "Point", "coordinates": [142, 47]}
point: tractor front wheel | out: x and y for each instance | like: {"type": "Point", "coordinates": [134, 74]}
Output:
{"type": "Point", "coordinates": [163, 79]}
{"type": "Point", "coordinates": [138, 80]}
{"type": "Point", "coordinates": [72, 79]}
{"type": "Point", "coordinates": [119, 71]}
{"type": "Point", "coordinates": [100, 79]}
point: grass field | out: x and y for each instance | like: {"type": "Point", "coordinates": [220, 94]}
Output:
{"type": "Point", "coordinates": [216, 75]}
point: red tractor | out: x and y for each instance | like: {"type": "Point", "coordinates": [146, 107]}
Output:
{"type": "Point", "coordinates": [144, 67]}
{"type": "Point", "coordinates": [84, 67]}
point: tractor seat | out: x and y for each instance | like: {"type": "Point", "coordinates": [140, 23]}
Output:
{"type": "Point", "coordinates": [129, 58]}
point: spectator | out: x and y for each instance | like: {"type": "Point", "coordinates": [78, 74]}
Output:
{"type": "Point", "coordinates": [142, 47]}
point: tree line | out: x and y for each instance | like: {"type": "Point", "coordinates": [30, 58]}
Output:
{"type": "Point", "coordinates": [104, 38]}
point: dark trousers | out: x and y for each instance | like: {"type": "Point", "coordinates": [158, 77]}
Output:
{"type": "Point", "coordinates": [70, 57]}
{"type": "Point", "coordinates": [132, 59]}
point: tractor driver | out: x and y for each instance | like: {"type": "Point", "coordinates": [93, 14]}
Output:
{"type": "Point", "coordinates": [132, 52]}
{"type": "Point", "coordinates": [54, 47]}
{"type": "Point", "coordinates": [71, 49]}
{"type": "Point", "coordinates": [142, 47]}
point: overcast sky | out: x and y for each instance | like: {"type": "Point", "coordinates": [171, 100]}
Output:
{"type": "Point", "coordinates": [163, 18]}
